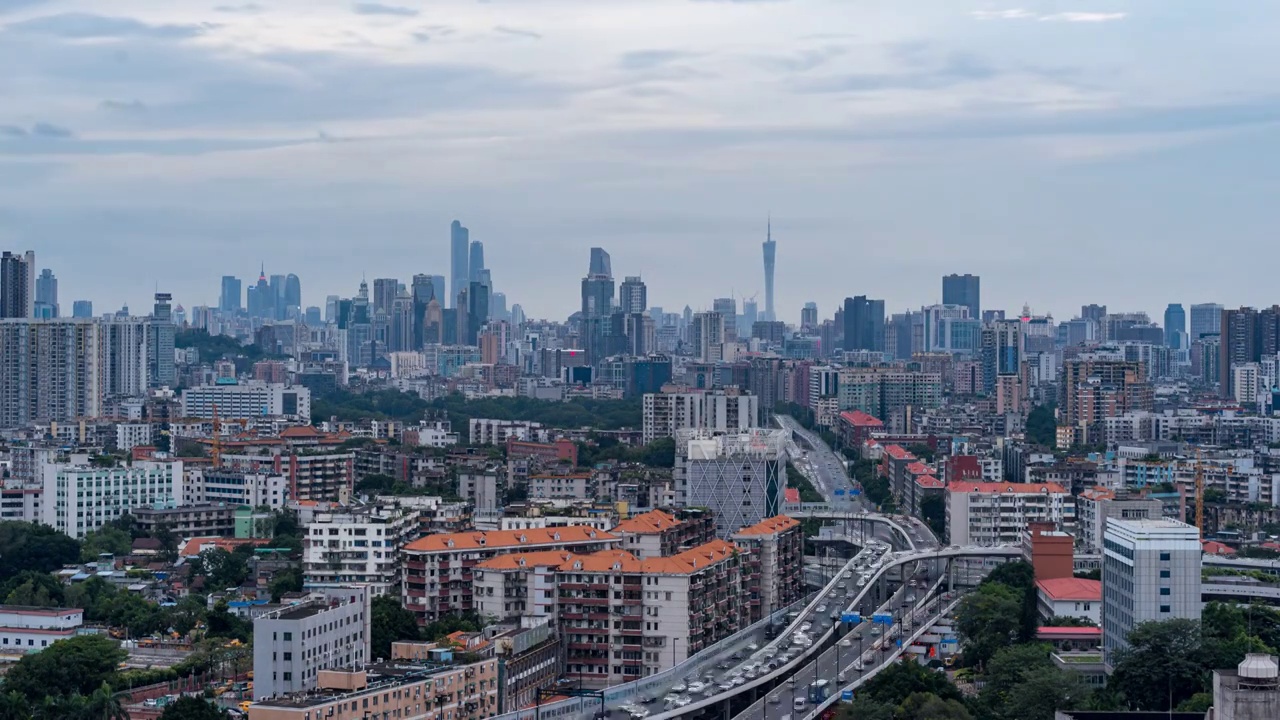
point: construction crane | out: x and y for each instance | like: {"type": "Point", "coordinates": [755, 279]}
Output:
{"type": "Point", "coordinates": [1199, 494]}
{"type": "Point", "coordinates": [217, 438]}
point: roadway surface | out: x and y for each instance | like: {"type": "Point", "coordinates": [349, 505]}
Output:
{"type": "Point", "coordinates": [823, 468]}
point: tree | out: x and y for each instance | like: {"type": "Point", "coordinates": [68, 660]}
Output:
{"type": "Point", "coordinates": [901, 680]}
{"type": "Point", "coordinates": [33, 588]}
{"type": "Point", "coordinates": [1068, 621]}
{"type": "Point", "coordinates": [864, 708]}
{"type": "Point", "coordinates": [933, 510]}
{"type": "Point", "coordinates": [1020, 577]}
{"type": "Point", "coordinates": [1042, 426]}
{"type": "Point", "coordinates": [106, 539]}
{"type": "Point", "coordinates": [28, 546]}
{"type": "Point", "coordinates": [1043, 692]}
{"type": "Point", "coordinates": [927, 706]}
{"type": "Point", "coordinates": [223, 569]}
{"type": "Point", "coordinates": [1094, 574]}
{"type": "Point", "coordinates": [193, 708]}
{"type": "Point", "coordinates": [78, 664]}
{"type": "Point", "coordinates": [104, 705]}
{"type": "Point", "coordinates": [988, 620]}
{"type": "Point", "coordinates": [1161, 667]}
{"type": "Point", "coordinates": [660, 453]}
{"type": "Point", "coordinates": [390, 622]}
{"type": "Point", "coordinates": [286, 581]}
{"type": "Point", "coordinates": [1198, 703]}
{"type": "Point", "coordinates": [375, 484]}
{"type": "Point", "coordinates": [14, 706]}
{"type": "Point", "coordinates": [222, 624]}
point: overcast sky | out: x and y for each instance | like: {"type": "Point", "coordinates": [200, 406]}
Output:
{"type": "Point", "coordinates": [1069, 151]}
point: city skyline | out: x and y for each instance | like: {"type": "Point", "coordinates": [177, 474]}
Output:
{"type": "Point", "coordinates": [957, 138]}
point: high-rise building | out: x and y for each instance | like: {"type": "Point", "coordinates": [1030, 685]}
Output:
{"type": "Point", "coordinates": [312, 317]}
{"type": "Point", "coordinates": [161, 369]}
{"type": "Point", "coordinates": [718, 412]}
{"type": "Point", "coordinates": [739, 477]}
{"type": "Point", "coordinates": [475, 261]}
{"type": "Point", "coordinates": [1206, 319]}
{"type": "Point", "coordinates": [1093, 312]}
{"type": "Point", "coordinates": [863, 324]}
{"type": "Point", "coordinates": [1175, 326]}
{"type": "Point", "coordinates": [384, 293]}
{"type": "Point", "coordinates": [600, 263]}
{"type": "Point", "coordinates": [17, 284]}
{"type": "Point", "coordinates": [1150, 573]}
{"type": "Point", "coordinates": [1096, 387]}
{"type": "Point", "coordinates": [82, 309]}
{"type": "Point", "coordinates": [770, 255]}
{"type": "Point", "coordinates": [292, 296]}
{"type": "Point", "coordinates": [597, 305]}
{"type": "Point", "coordinates": [459, 259]}
{"type": "Point", "coordinates": [477, 311]}
{"type": "Point", "coordinates": [277, 290]}
{"type": "Point", "coordinates": [1246, 336]}
{"type": "Point", "coordinates": [260, 299]}
{"type": "Point", "coordinates": [46, 295]}
{"type": "Point", "coordinates": [50, 370]}
{"type": "Point", "coordinates": [1003, 347]}
{"type": "Point", "coordinates": [294, 645]}
{"type": "Point", "coordinates": [808, 316]}
{"type": "Point", "coordinates": [230, 299]}
{"type": "Point", "coordinates": [728, 309]}
{"type": "Point", "coordinates": [706, 336]}
{"type": "Point", "coordinates": [963, 290]}
{"type": "Point", "coordinates": [633, 296]}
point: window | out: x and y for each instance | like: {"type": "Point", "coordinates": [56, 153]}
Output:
{"type": "Point", "coordinates": [1164, 556]}
{"type": "Point", "coordinates": [1164, 608]}
{"type": "Point", "coordinates": [288, 656]}
{"type": "Point", "coordinates": [1164, 573]}
{"type": "Point", "coordinates": [288, 637]}
{"type": "Point", "coordinates": [1164, 591]}
{"type": "Point", "coordinates": [288, 676]}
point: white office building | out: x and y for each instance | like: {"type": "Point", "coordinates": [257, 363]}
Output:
{"type": "Point", "coordinates": [25, 630]}
{"type": "Point", "coordinates": [291, 645]}
{"type": "Point", "coordinates": [1150, 571]}
{"type": "Point", "coordinates": [358, 544]}
{"type": "Point", "coordinates": [740, 478]}
{"type": "Point", "coordinates": [203, 486]}
{"type": "Point", "coordinates": [79, 497]}
{"type": "Point", "coordinates": [250, 400]}
{"type": "Point", "coordinates": [989, 513]}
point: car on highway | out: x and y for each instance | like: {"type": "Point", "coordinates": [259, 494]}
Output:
{"type": "Point", "coordinates": [775, 699]}
{"type": "Point", "coordinates": [696, 687]}
{"type": "Point", "coordinates": [799, 703]}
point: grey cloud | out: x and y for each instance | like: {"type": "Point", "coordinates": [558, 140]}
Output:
{"type": "Point", "coordinates": [247, 8]}
{"type": "Point", "coordinates": [957, 68]}
{"type": "Point", "coordinates": [87, 26]}
{"type": "Point", "coordinates": [10, 5]}
{"type": "Point", "coordinates": [49, 130]}
{"type": "Point", "coordinates": [646, 59]}
{"type": "Point", "coordinates": [125, 106]}
{"type": "Point", "coordinates": [518, 32]}
{"type": "Point", "coordinates": [371, 8]}
{"type": "Point", "coordinates": [12, 131]}
{"type": "Point", "coordinates": [180, 146]}
{"type": "Point", "coordinates": [806, 60]}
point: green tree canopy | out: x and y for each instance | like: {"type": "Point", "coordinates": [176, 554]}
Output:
{"type": "Point", "coordinates": [988, 620]}
{"type": "Point", "coordinates": [106, 539]}
{"type": "Point", "coordinates": [901, 680]}
{"type": "Point", "coordinates": [1042, 426]}
{"type": "Point", "coordinates": [1162, 665]}
{"type": "Point", "coordinates": [927, 706]}
{"type": "Point", "coordinates": [390, 622]}
{"type": "Point", "coordinates": [28, 546]}
{"type": "Point", "coordinates": [78, 664]}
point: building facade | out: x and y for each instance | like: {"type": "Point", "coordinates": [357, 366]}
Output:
{"type": "Point", "coordinates": [981, 513]}
{"type": "Point", "coordinates": [1150, 571]}
{"type": "Point", "coordinates": [739, 478]}
{"type": "Point", "coordinates": [293, 644]}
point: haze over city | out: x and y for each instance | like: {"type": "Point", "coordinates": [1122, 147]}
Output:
{"type": "Point", "coordinates": [1070, 152]}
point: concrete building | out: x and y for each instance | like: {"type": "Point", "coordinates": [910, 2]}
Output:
{"type": "Point", "coordinates": [997, 513]}
{"type": "Point", "coordinates": [963, 290]}
{"type": "Point", "coordinates": [131, 435]}
{"type": "Point", "coordinates": [25, 630]}
{"type": "Point", "coordinates": [518, 584]}
{"type": "Point", "coordinates": [438, 568]}
{"type": "Point", "coordinates": [486, 431]}
{"type": "Point", "coordinates": [1150, 571]}
{"type": "Point", "coordinates": [292, 645]}
{"type": "Point", "coordinates": [774, 563]}
{"type": "Point", "coordinates": [50, 371]}
{"type": "Point", "coordinates": [183, 521]}
{"type": "Point", "coordinates": [740, 478]}
{"type": "Point", "coordinates": [1250, 692]}
{"type": "Point", "coordinates": [309, 474]}
{"type": "Point", "coordinates": [1069, 597]}
{"type": "Point", "coordinates": [660, 534]}
{"type": "Point", "coordinates": [250, 400]}
{"type": "Point", "coordinates": [358, 544]}
{"type": "Point", "coordinates": [1094, 507]}
{"type": "Point", "coordinates": [718, 411]}
{"type": "Point", "coordinates": [79, 497]}
{"type": "Point", "coordinates": [216, 485]}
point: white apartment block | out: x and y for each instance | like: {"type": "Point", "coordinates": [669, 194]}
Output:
{"type": "Point", "coordinates": [1095, 506]}
{"type": "Point", "coordinates": [249, 400]}
{"type": "Point", "coordinates": [79, 497]}
{"type": "Point", "coordinates": [358, 545]}
{"type": "Point", "coordinates": [666, 413]}
{"type": "Point", "coordinates": [573, 486]}
{"type": "Point", "coordinates": [131, 435]}
{"type": "Point", "coordinates": [518, 584]}
{"type": "Point", "coordinates": [291, 645]}
{"type": "Point", "coordinates": [986, 514]}
{"type": "Point", "coordinates": [50, 371]}
{"type": "Point", "coordinates": [485, 431]}
{"type": "Point", "coordinates": [1150, 571]}
{"type": "Point", "coordinates": [25, 630]}
{"type": "Point", "coordinates": [215, 485]}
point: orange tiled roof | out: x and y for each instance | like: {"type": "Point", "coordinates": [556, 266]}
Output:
{"type": "Point", "coordinates": [1070, 588]}
{"type": "Point", "coordinates": [300, 431]}
{"type": "Point", "coordinates": [991, 487]}
{"type": "Point", "coordinates": [769, 526]}
{"type": "Point", "coordinates": [603, 561]}
{"type": "Point", "coordinates": [692, 560]}
{"type": "Point", "coordinates": [1213, 547]}
{"type": "Point", "coordinates": [1098, 493]}
{"type": "Point", "coordinates": [512, 561]}
{"type": "Point", "coordinates": [897, 452]}
{"type": "Point", "coordinates": [857, 417]}
{"type": "Point", "coordinates": [919, 468]}
{"type": "Point", "coordinates": [929, 481]}
{"type": "Point", "coordinates": [654, 521]}
{"type": "Point", "coordinates": [501, 539]}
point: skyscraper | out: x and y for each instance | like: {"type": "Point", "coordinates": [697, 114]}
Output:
{"type": "Point", "coordinates": [46, 295]}
{"type": "Point", "coordinates": [600, 263]}
{"type": "Point", "coordinates": [292, 296]}
{"type": "Point", "coordinates": [230, 299]}
{"type": "Point", "coordinates": [459, 262]}
{"type": "Point", "coordinates": [1206, 319]}
{"type": "Point", "coordinates": [597, 305]}
{"type": "Point", "coordinates": [1003, 347]}
{"type": "Point", "coordinates": [63, 382]}
{"type": "Point", "coordinates": [277, 289]}
{"type": "Point", "coordinates": [17, 284]}
{"type": "Point", "coordinates": [963, 290]}
{"type": "Point", "coordinates": [475, 261]}
{"type": "Point", "coordinates": [770, 253]}
{"type": "Point", "coordinates": [706, 336]}
{"type": "Point", "coordinates": [161, 371]}
{"type": "Point", "coordinates": [1175, 326]}
{"type": "Point", "coordinates": [728, 309]}
{"type": "Point", "coordinates": [863, 323]}
{"type": "Point", "coordinates": [809, 316]}
{"type": "Point", "coordinates": [1246, 336]}
{"type": "Point", "coordinates": [384, 293]}
{"type": "Point", "coordinates": [633, 297]}
{"type": "Point", "coordinates": [82, 309]}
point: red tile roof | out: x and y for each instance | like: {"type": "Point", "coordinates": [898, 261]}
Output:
{"type": "Point", "coordinates": [1071, 589]}
{"type": "Point", "coordinates": [1050, 632]}
{"type": "Point", "coordinates": [511, 561]}
{"type": "Point", "coordinates": [858, 418]}
{"type": "Point", "coordinates": [650, 523]}
{"type": "Point", "coordinates": [1012, 488]}
{"type": "Point", "coordinates": [897, 452]}
{"type": "Point", "coordinates": [1213, 547]}
{"type": "Point", "coordinates": [792, 495]}
{"type": "Point", "coordinates": [503, 539]}
{"type": "Point", "coordinates": [919, 468]}
{"type": "Point", "coordinates": [769, 526]}
{"type": "Point", "coordinates": [929, 481]}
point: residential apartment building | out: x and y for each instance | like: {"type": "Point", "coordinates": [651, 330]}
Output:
{"type": "Point", "coordinates": [887, 393]}
{"type": "Point", "coordinates": [358, 544]}
{"type": "Point", "coordinates": [997, 513]}
{"type": "Point", "coordinates": [658, 533]}
{"type": "Point", "coordinates": [486, 431]}
{"type": "Point", "coordinates": [1150, 572]}
{"type": "Point", "coordinates": [222, 486]}
{"type": "Point", "coordinates": [718, 411]}
{"type": "Point", "coordinates": [1094, 507]}
{"type": "Point", "coordinates": [183, 521]}
{"type": "Point", "coordinates": [293, 644]}
{"type": "Point", "coordinates": [622, 618]}
{"type": "Point", "coordinates": [25, 630]}
{"type": "Point", "coordinates": [739, 478]}
{"type": "Point", "coordinates": [403, 690]}
{"type": "Point", "coordinates": [249, 400]}
{"type": "Point", "coordinates": [439, 568]}
{"type": "Point", "coordinates": [774, 564]}
{"type": "Point", "coordinates": [310, 474]}
{"type": "Point", "coordinates": [79, 497]}
{"type": "Point", "coordinates": [1100, 385]}
{"type": "Point", "coordinates": [50, 371]}
{"type": "Point", "coordinates": [566, 486]}
{"type": "Point", "coordinates": [518, 584]}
